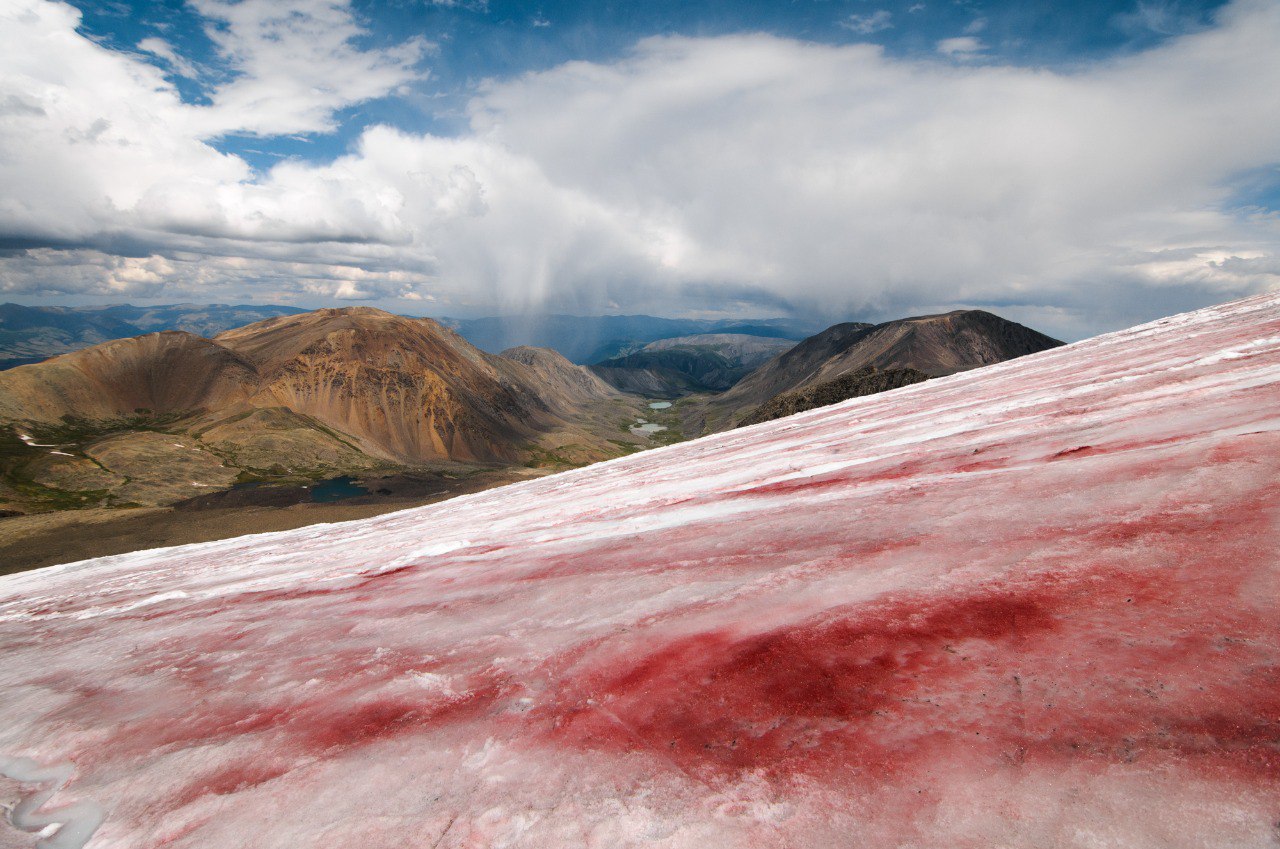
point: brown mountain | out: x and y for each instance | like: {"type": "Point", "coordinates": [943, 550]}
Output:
{"type": "Point", "coordinates": [329, 392]}
{"type": "Point", "coordinates": [406, 388]}
{"type": "Point", "coordinates": [934, 344]}
{"type": "Point", "coordinates": [167, 372]}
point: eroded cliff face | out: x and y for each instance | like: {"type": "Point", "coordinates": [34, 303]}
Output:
{"type": "Point", "coordinates": [404, 388]}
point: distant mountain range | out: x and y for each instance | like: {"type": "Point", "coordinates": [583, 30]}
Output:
{"type": "Point", "coordinates": [592, 339]}
{"type": "Point", "coordinates": [30, 334]}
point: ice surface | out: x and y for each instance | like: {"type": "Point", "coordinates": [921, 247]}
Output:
{"type": "Point", "coordinates": [60, 827]}
{"type": "Point", "coordinates": [1030, 606]}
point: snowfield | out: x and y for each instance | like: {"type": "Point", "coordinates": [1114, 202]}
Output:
{"type": "Point", "coordinates": [1036, 605]}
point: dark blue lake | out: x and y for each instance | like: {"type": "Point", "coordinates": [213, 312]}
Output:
{"type": "Point", "coordinates": [337, 489]}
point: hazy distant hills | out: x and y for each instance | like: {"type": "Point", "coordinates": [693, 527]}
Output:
{"type": "Point", "coordinates": [31, 334]}
{"type": "Point", "coordinates": [708, 362]}
{"type": "Point", "coordinates": [159, 417]}
{"type": "Point", "coordinates": [592, 339]}
{"type": "Point", "coordinates": [935, 345]}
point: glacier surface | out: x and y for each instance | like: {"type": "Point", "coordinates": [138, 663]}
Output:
{"type": "Point", "coordinates": [1035, 605]}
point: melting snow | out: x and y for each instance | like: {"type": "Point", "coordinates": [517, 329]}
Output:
{"type": "Point", "coordinates": [1033, 605]}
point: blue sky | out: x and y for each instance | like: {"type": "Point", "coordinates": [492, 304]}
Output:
{"type": "Point", "coordinates": [1079, 166]}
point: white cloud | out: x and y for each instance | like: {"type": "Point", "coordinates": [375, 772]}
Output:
{"type": "Point", "coordinates": [962, 46]}
{"type": "Point", "coordinates": [869, 24]}
{"type": "Point", "coordinates": [103, 127]}
{"type": "Point", "coordinates": [297, 64]}
{"type": "Point", "coordinates": [746, 172]}
{"type": "Point", "coordinates": [164, 50]}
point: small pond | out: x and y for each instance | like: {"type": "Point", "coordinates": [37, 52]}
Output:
{"type": "Point", "coordinates": [337, 489]}
{"type": "Point", "coordinates": [659, 405]}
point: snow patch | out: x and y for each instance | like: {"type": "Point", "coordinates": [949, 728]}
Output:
{"type": "Point", "coordinates": [64, 827]}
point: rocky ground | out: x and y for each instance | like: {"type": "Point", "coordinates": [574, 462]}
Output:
{"type": "Point", "coordinates": [47, 539]}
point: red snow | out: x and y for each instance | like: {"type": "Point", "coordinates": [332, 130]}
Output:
{"type": "Point", "coordinates": [1035, 605]}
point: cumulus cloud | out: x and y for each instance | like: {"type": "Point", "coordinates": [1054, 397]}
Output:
{"type": "Point", "coordinates": [743, 173]}
{"type": "Point", "coordinates": [296, 64]}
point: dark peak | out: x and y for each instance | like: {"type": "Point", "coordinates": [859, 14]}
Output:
{"type": "Point", "coordinates": [963, 316]}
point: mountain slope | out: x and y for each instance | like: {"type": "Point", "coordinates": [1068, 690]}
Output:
{"type": "Point", "coordinates": [561, 384]}
{"type": "Point", "coordinates": [1031, 605]}
{"type": "Point", "coordinates": [169, 372]}
{"type": "Point", "coordinates": [935, 344]}
{"type": "Point", "coordinates": [856, 384]}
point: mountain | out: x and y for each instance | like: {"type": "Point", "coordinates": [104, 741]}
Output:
{"type": "Point", "coordinates": [856, 384]}
{"type": "Point", "coordinates": [934, 344]}
{"type": "Point", "coordinates": [707, 362]}
{"type": "Point", "coordinates": [165, 373]}
{"type": "Point", "coordinates": [590, 339]}
{"type": "Point", "coordinates": [143, 420]}
{"type": "Point", "coordinates": [32, 334]}
{"type": "Point", "coordinates": [561, 384]}
{"type": "Point", "coordinates": [1027, 606]}
{"type": "Point", "coordinates": [405, 388]}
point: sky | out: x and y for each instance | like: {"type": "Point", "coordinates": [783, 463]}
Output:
{"type": "Point", "coordinates": [1079, 167]}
